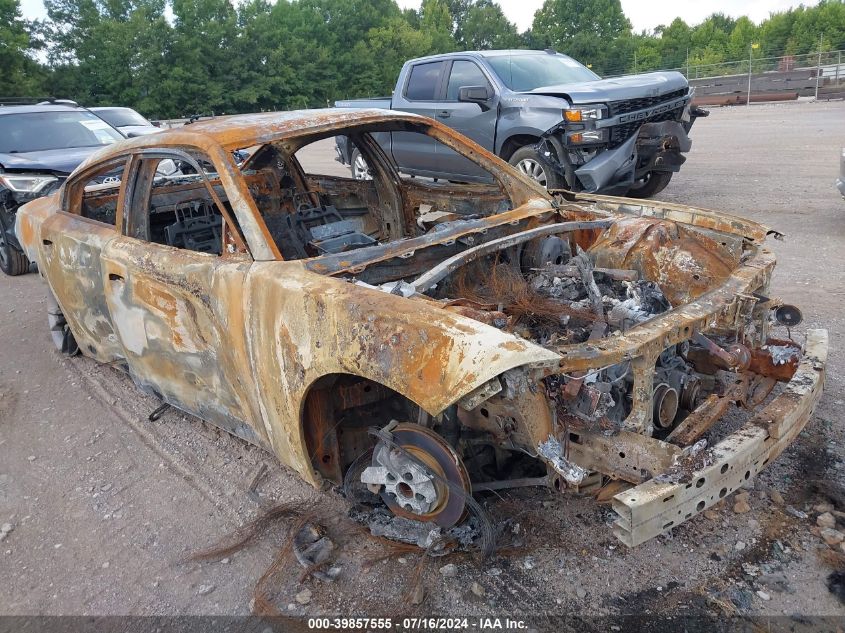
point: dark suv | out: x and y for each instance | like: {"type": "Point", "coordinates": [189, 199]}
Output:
{"type": "Point", "coordinates": [39, 146]}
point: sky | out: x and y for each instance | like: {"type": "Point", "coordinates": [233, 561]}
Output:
{"type": "Point", "coordinates": [644, 14]}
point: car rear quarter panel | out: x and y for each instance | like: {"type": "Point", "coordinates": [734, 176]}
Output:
{"type": "Point", "coordinates": [28, 224]}
{"type": "Point", "coordinates": [302, 326]}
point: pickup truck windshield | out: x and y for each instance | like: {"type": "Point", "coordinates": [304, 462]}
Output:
{"type": "Point", "coordinates": [522, 73]}
{"type": "Point", "coordinates": [40, 131]}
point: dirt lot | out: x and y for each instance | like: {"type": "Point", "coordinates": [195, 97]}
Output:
{"type": "Point", "coordinates": [106, 506]}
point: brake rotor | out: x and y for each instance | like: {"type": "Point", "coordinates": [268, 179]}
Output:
{"type": "Point", "coordinates": [411, 491]}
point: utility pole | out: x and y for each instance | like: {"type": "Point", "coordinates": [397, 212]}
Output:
{"type": "Point", "coordinates": [635, 62]}
{"type": "Point", "coordinates": [819, 66]}
{"type": "Point", "coordinates": [750, 53]}
{"type": "Point", "coordinates": [838, 64]}
{"type": "Point", "coordinates": [687, 63]}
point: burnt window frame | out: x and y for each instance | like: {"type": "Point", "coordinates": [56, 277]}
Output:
{"type": "Point", "coordinates": [138, 193]}
{"type": "Point", "coordinates": [73, 190]}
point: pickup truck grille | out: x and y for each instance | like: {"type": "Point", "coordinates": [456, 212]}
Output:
{"type": "Point", "coordinates": [632, 105]}
{"type": "Point", "coordinates": [621, 133]}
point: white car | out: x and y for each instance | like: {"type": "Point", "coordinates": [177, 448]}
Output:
{"type": "Point", "coordinates": [126, 120]}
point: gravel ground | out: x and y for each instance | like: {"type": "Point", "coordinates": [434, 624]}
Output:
{"type": "Point", "coordinates": [105, 507]}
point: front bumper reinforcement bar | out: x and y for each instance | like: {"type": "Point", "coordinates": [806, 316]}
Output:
{"type": "Point", "coordinates": [653, 507]}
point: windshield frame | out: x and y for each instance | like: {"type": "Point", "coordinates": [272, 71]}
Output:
{"type": "Point", "coordinates": [45, 141]}
{"type": "Point", "coordinates": [497, 65]}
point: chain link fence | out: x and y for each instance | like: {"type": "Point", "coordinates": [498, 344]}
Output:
{"type": "Point", "coordinates": [774, 78]}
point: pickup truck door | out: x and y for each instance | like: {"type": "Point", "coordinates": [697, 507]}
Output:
{"type": "Point", "coordinates": [473, 120]}
{"type": "Point", "coordinates": [418, 94]}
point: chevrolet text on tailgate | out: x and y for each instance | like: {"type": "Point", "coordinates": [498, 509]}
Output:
{"type": "Point", "coordinates": [421, 341]}
{"type": "Point", "coordinates": [551, 117]}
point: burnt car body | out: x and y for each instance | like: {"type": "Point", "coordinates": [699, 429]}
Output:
{"type": "Point", "coordinates": [493, 335]}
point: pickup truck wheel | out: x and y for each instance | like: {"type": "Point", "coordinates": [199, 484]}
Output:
{"type": "Point", "coordinates": [59, 329]}
{"type": "Point", "coordinates": [12, 260]}
{"type": "Point", "coordinates": [530, 163]}
{"type": "Point", "coordinates": [359, 166]}
{"type": "Point", "coordinates": [653, 183]}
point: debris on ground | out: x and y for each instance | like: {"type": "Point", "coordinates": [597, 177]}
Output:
{"type": "Point", "coordinates": [312, 549]}
{"type": "Point", "coordinates": [741, 505]}
{"type": "Point", "coordinates": [776, 497]}
{"type": "Point", "coordinates": [5, 530]}
{"type": "Point", "coordinates": [425, 535]}
{"type": "Point", "coordinates": [798, 514]}
{"type": "Point", "coordinates": [776, 581]}
{"type": "Point", "coordinates": [252, 488]}
{"type": "Point", "coordinates": [826, 520]}
{"type": "Point", "coordinates": [417, 595]}
{"type": "Point", "coordinates": [304, 596]}
{"type": "Point", "coordinates": [832, 537]}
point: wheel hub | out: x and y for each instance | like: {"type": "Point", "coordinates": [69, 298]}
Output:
{"type": "Point", "coordinates": [419, 477]}
{"type": "Point", "coordinates": [532, 169]}
{"type": "Point", "coordinates": [362, 169]}
{"type": "Point", "coordinates": [409, 486]}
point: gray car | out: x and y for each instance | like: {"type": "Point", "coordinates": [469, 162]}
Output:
{"type": "Point", "coordinates": [545, 113]}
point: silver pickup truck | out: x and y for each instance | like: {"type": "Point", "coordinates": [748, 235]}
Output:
{"type": "Point", "coordinates": [544, 112]}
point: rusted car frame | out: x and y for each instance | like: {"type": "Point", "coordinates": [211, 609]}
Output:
{"type": "Point", "coordinates": [500, 335]}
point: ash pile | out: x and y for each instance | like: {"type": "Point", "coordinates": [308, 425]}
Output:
{"type": "Point", "coordinates": [591, 302]}
{"type": "Point", "coordinates": [566, 303]}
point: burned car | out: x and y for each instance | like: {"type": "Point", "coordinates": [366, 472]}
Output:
{"type": "Point", "coordinates": [429, 340]}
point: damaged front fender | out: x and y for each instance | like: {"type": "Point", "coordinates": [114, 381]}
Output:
{"type": "Point", "coordinates": [304, 326]}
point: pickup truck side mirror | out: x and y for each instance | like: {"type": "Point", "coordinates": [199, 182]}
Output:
{"type": "Point", "coordinates": [475, 94]}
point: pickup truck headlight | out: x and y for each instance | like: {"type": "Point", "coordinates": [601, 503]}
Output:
{"type": "Point", "coordinates": [587, 113]}
{"type": "Point", "coordinates": [26, 183]}
{"type": "Point", "coordinates": [586, 136]}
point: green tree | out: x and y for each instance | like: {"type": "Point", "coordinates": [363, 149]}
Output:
{"type": "Point", "coordinates": [20, 75]}
{"type": "Point", "coordinates": [561, 21]}
{"type": "Point", "coordinates": [484, 26]}
{"type": "Point", "coordinates": [742, 36]}
{"type": "Point", "coordinates": [675, 41]}
{"type": "Point", "coordinates": [307, 53]}
{"type": "Point", "coordinates": [389, 45]}
{"type": "Point", "coordinates": [709, 39]}
{"type": "Point", "coordinates": [587, 31]}
{"type": "Point", "coordinates": [109, 54]}
{"type": "Point", "coordinates": [201, 57]}
{"type": "Point", "coordinates": [436, 22]}
{"type": "Point", "coordinates": [826, 21]}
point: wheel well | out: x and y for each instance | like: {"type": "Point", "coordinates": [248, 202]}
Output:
{"type": "Point", "coordinates": [515, 142]}
{"type": "Point", "coordinates": [338, 410]}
